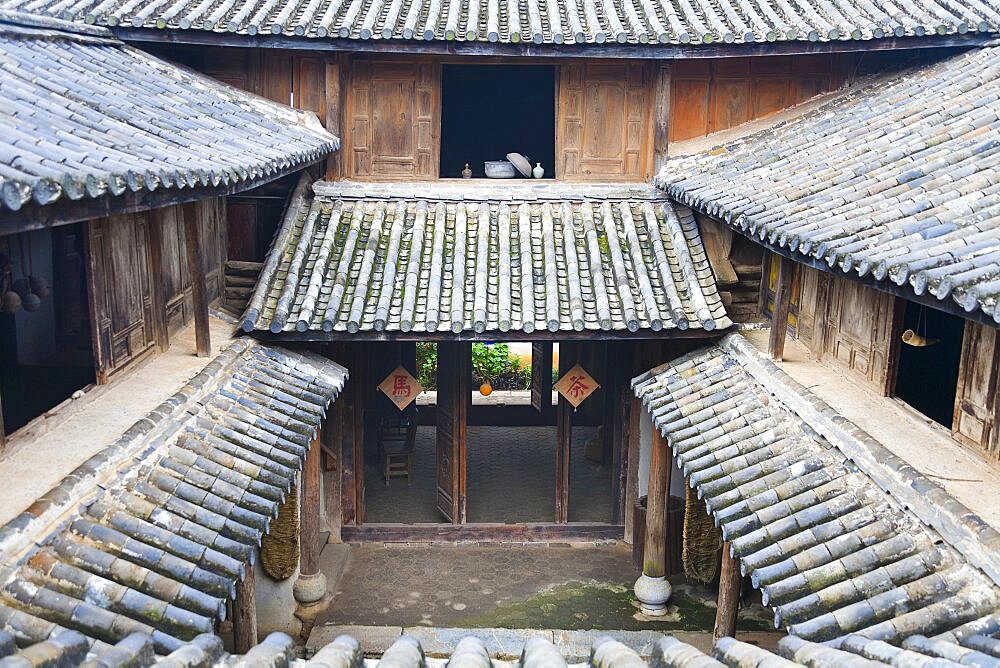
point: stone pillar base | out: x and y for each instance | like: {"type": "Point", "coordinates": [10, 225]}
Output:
{"type": "Point", "coordinates": [653, 594]}
{"type": "Point", "coordinates": [309, 588]}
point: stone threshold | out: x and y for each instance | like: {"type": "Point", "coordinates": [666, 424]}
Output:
{"type": "Point", "coordinates": [504, 645]}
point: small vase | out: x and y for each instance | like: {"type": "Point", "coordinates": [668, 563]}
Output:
{"type": "Point", "coordinates": [467, 172]}
{"type": "Point", "coordinates": [538, 171]}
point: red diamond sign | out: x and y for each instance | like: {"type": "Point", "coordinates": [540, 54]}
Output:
{"type": "Point", "coordinates": [401, 387]}
{"type": "Point", "coordinates": [576, 385]}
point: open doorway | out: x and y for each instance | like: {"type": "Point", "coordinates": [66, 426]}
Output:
{"type": "Point", "coordinates": [46, 353]}
{"type": "Point", "coordinates": [929, 356]}
{"type": "Point", "coordinates": [488, 111]}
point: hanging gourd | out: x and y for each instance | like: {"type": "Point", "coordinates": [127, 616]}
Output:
{"type": "Point", "coordinates": [486, 389]}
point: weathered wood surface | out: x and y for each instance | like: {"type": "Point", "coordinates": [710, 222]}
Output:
{"type": "Point", "coordinates": [568, 356]}
{"type": "Point", "coordinates": [309, 510]}
{"type": "Point", "coordinates": [976, 404]}
{"type": "Point", "coordinates": [782, 301]}
{"type": "Point", "coordinates": [541, 376]}
{"type": "Point", "coordinates": [245, 614]}
{"type": "Point", "coordinates": [730, 584]}
{"type": "Point", "coordinates": [195, 253]}
{"type": "Point", "coordinates": [655, 550]}
{"type": "Point", "coordinates": [454, 371]}
{"type": "Point", "coordinates": [603, 122]}
{"type": "Point", "coordinates": [709, 95]}
{"type": "Point", "coordinates": [393, 120]}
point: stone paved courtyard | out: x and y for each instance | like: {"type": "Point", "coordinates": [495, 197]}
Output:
{"type": "Point", "coordinates": [511, 478]}
{"type": "Point", "coordinates": [557, 586]}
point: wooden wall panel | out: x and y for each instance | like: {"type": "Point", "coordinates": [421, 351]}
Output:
{"type": "Point", "coordinates": [394, 116]}
{"type": "Point", "coordinates": [604, 121]}
{"type": "Point", "coordinates": [715, 94]}
{"type": "Point", "coordinates": [976, 397]}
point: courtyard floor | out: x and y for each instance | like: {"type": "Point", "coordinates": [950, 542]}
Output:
{"type": "Point", "coordinates": [511, 478]}
{"type": "Point", "coordinates": [579, 586]}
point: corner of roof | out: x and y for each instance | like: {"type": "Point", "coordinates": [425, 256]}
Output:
{"type": "Point", "coordinates": [39, 26]}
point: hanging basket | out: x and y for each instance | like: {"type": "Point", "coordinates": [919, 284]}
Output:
{"type": "Point", "coordinates": [279, 549]}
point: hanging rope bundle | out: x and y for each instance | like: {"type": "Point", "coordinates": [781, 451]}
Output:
{"type": "Point", "coordinates": [279, 549]}
{"type": "Point", "coordinates": [701, 542]}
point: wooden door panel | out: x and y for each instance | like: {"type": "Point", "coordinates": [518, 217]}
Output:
{"type": "Point", "coordinates": [121, 300]}
{"type": "Point", "coordinates": [394, 119]}
{"type": "Point", "coordinates": [975, 398]}
{"type": "Point", "coordinates": [604, 119]}
{"type": "Point", "coordinates": [859, 328]}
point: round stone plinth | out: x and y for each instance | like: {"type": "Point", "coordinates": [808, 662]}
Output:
{"type": "Point", "coordinates": [309, 588]}
{"type": "Point", "coordinates": [653, 594]}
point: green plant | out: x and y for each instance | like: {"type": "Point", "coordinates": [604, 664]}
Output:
{"type": "Point", "coordinates": [427, 365]}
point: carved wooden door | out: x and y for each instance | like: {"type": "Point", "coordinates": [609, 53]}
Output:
{"type": "Point", "coordinates": [121, 298]}
{"type": "Point", "coordinates": [604, 121]}
{"type": "Point", "coordinates": [394, 120]}
{"type": "Point", "coordinates": [976, 401]}
{"type": "Point", "coordinates": [454, 369]}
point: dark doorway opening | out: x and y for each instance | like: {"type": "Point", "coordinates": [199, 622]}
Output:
{"type": "Point", "coordinates": [927, 376]}
{"type": "Point", "coordinates": [488, 111]}
{"type": "Point", "coordinates": [46, 352]}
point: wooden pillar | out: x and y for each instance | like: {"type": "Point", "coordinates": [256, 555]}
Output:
{"type": "Point", "coordinates": [245, 614]}
{"type": "Point", "coordinates": [652, 589]}
{"type": "Point", "coordinates": [782, 298]}
{"type": "Point", "coordinates": [661, 116]}
{"type": "Point", "coordinates": [568, 352]}
{"type": "Point", "coordinates": [334, 109]}
{"type": "Point", "coordinates": [199, 289]}
{"type": "Point", "coordinates": [730, 583]}
{"type": "Point", "coordinates": [310, 587]}
{"type": "Point", "coordinates": [654, 554]}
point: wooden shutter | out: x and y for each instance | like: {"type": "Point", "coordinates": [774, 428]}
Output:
{"type": "Point", "coordinates": [394, 120]}
{"type": "Point", "coordinates": [604, 122]}
{"type": "Point", "coordinates": [975, 399]}
{"type": "Point", "coordinates": [121, 302]}
{"type": "Point", "coordinates": [541, 376]}
{"type": "Point", "coordinates": [454, 372]}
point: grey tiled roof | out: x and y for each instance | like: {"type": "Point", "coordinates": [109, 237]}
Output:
{"type": "Point", "coordinates": [546, 21]}
{"type": "Point", "coordinates": [897, 179]}
{"type": "Point", "coordinates": [150, 535]}
{"type": "Point", "coordinates": [462, 258]}
{"type": "Point", "coordinates": [83, 116]}
{"type": "Point", "coordinates": [800, 493]}
{"type": "Point", "coordinates": [278, 651]}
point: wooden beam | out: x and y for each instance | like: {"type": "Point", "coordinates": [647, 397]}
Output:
{"type": "Point", "coordinates": [155, 247]}
{"type": "Point", "coordinates": [661, 116]}
{"type": "Point", "coordinates": [654, 554]}
{"type": "Point", "coordinates": [782, 300]}
{"type": "Point", "coordinates": [65, 211]}
{"type": "Point", "coordinates": [564, 435]}
{"type": "Point", "coordinates": [245, 614]}
{"type": "Point", "coordinates": [482, 532]}
{"type": "Point", "coordinates": [730, 584]}
{"type": "Point", "coordinates": [199, 287]}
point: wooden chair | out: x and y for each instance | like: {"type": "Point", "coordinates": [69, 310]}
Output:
{"type": "Point", "coordinates": [396, 437]}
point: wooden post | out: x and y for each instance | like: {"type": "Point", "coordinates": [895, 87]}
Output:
{"type": "Point", "coordinates": [196, 270]}
{"type": "Point", "coordinates": [661, 116]}
{"type": "Point", "coordinates": [652, 588]}
{"type": "Point", "coordinates": [568, 353]}
{"type": "Point", "coordinates": [654, 554]}
{"type": "Point", "coordinates": [782, 298]}
{"type": "Point", "coordinates": [310, 587]}
{"type": "Point", "coordinates": [334, 109]}
{"type": "Point", "coordinates": [730, 583]}
{"type": "Point", "coordinates": [245, 614]}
